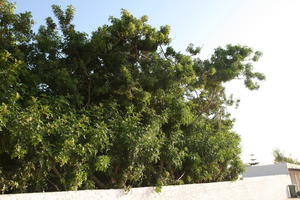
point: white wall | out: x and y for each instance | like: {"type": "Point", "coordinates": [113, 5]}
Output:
{"type": "Point", "coordinates": [258, 188]}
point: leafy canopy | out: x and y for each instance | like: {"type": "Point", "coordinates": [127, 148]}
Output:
{"type": "Point", "coordinates": [117, 108]}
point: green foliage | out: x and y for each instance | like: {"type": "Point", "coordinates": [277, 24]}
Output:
{"type": "Point", "coordinates": [119, 108]}
{"type": "Point", "coordinates": [280, 157]}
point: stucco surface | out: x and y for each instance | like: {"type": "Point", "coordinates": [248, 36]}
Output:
{"type": "Point", "coordinates": [258, 188]}
{"type": "Point", "coordinates": [266, 170]}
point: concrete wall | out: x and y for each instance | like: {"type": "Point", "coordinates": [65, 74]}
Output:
{"type": "Point", "coordinates": [266, 170]}
{"type": "Point", "coordinates": [258, 188]}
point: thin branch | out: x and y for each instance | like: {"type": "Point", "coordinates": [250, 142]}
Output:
{"type": "Point", "coordinates": [53, 184]}
{"type": "Point", "coordinates": [57, 173]}
{"type": "Point", "coordinates": [97, 181]}
{"type": "Point", "coordinates": [181, 176]}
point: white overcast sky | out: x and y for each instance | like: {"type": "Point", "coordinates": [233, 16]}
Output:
{"type": "Point", "coordinates": [269, 118]}
{"type": "Point", "coordinates": [266, 119]}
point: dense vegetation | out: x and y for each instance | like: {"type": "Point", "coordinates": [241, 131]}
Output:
{"type": "Point", "coordinates": [113, 109]}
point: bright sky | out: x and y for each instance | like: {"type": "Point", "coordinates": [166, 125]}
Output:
{"type": "Point", "coordinates": [266, 119]}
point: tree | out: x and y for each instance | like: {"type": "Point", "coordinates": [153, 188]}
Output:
{"type": "Point", "coordinates": [114, 109]}
{"type": "Point", "coordinates": [280, 157]}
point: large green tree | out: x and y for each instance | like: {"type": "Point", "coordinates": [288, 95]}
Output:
{"type": "Point", "coordinates": [116, 108]}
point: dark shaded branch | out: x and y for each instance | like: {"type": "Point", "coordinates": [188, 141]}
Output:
{"type": "Point", "coordinates": [99, 184]}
